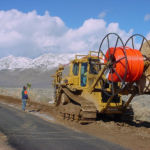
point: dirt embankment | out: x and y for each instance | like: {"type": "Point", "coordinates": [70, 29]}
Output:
{"type": "Point", "coordinates": [132, 135]}
{"type": "Point", "coordinates": [35, 94]}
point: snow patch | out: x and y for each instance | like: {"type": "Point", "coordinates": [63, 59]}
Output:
{"type": "Point", "coordinates": [44, 62]}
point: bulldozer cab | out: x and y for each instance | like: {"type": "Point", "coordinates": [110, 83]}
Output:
{"type": "Point", "coordinates": [82, 69]}
{"type": "Point", "coordinates": [84, 80]}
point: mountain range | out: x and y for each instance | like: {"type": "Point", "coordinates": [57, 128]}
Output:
{"type": "Point", "coordinates": [18, 71]}
{"type": "Point", "coordinates": [44, 62]}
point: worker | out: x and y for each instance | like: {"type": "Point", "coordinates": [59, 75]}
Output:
{"type": "Point", "coordinates": [24, 97]}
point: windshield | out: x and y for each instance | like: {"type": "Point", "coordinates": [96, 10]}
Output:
{"type": "Point", "coordinates": [94, 68]}
{"type": "Point", "coordinates": [83, 74]}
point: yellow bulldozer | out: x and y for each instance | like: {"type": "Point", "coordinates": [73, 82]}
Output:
{"type": "Point", "coordinates": [96, 82]}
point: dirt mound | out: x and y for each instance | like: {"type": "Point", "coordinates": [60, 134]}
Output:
{"type": "Point", "coordinates": [146, 49]}
{"type": "Point", "coordinates": [144, 82]}
{"type": "Point", "coordinates": [141, 107]}
{"type": "Point", "coordinates": [146, 52]}
{"type": "Point", "coordinates": [35, 94]}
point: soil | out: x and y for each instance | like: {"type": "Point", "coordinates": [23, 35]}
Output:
{"type": "Point", "coordinates": [132, 135]}
{"type": "Point", "coordinates": [3, 142]}
{"type": "Point", "coordinates": [146, 49]}
{"type": "Point", "coordinates": [146, 52]}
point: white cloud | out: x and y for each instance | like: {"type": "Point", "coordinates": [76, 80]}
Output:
{"type": "Point", "coordinates": [147, 17]}
{"type": "Point", "coordinates": [30, 34]}
{"type": "Point", "coordinates": [102, 14]}
{"type": "Point", "coordinates": [148, 36]}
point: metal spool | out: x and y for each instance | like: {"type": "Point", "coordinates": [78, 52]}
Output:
{"type": "Point", "coordinates": [143, 83]}
{"type": "Point", "coordinates": [143, 40]}
{"type": "Point", "coordinates": [112, 62]}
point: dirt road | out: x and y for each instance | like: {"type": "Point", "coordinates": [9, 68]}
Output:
{"type": "Point", "coordinates": [28, 132]}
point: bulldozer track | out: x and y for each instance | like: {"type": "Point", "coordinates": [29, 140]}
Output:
{"type": "Point", "coordinates": [83, 111]}
{"type": "Point", "coordinates": [76, 117]}
{"type": "Point", "coordinates": [79, 109]}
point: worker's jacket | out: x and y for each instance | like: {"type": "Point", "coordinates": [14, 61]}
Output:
{"type": "Point", "coordinates": [24, 94]}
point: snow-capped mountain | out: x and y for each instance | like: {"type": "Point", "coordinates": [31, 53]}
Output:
{"type": "Point", "coordinates": [44, 62]}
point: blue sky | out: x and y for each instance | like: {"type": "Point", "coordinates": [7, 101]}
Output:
{"type": "Point", "coordinates": [129, 14]}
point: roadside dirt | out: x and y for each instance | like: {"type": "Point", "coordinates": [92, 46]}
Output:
{"type": "Point", "coordinates": [3, 142]}
{"type": "Point", "coordinates": [132, 135]}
